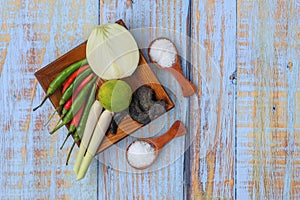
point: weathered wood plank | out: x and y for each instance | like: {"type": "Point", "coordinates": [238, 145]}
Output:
{"type": "Point", "coordinates": [212, 121]}
{"type": "Point", "coordinates": [164, 180]}
{"type": "Point", "coordinates": [268, 41]}
{"type": "Point", "coordinates": [32, 34]}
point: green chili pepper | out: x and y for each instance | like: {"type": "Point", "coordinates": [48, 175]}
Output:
{"type": "Point", "coordinates": [82, 123]}
{"type": "Point", "coordinates": [79, 100]}
{"type": "Point", "coordinates": [84, 117]}
{"type": "Point", "coordinates": [60, 78]}
{"type": "Point", "coordinates": [69, 91]}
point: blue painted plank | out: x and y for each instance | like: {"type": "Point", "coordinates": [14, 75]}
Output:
{"type": "Point", "coordinates": [268, 112]}
{"type": "Point", "coordinates": [212, 121]}
{"type": "Point", "coordinates": [164, 180]}
{"type": "Point", "coordinates": [34, 33]}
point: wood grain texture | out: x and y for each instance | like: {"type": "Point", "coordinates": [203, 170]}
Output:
{"type": "Point", "coordinates": [265, 152]}
{"type": "Point", "coordinates": [268, 41]}
{"type": "Point", "coordinates": [164, 180]}
{"type": "Point", "coordinates": [32, 34]}
{"type": "Point", "coordinates": [212, 112]}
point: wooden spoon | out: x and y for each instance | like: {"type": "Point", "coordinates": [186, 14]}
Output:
{"type": "Point", "coordinates": [187, 87]}
{"type": "Point", "coordinates": [176, 130]}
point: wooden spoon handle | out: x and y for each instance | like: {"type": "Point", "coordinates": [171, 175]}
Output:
{"type": "Point", "coordinates": [187, 87]}
{"type": "Point", "coordinates": [176, 130]}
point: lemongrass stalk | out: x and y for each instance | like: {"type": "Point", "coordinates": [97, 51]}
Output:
{"type": "Point", "coordinates": [92, 119]}
{"type": "Point", "coordinates": [98, 135]}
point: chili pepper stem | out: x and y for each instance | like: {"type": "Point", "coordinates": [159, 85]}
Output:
{"type": "Point", "coordinates": [63, 144]}
{"type": "Point", "coordinates": [52, 115]}
{"type": "Point", "coordinates": [57, 127]}
{"type": "Point", "coordinates": [69, 154]}
{"type": "Point", "coordinates": [63, 112]}
{"type": "Point", "coordinates": [75, 106]}
{"type": "Point", "coordinates": [58, 122]}
{"type": "Point", "coordinates": [44, 100]}
{"type": "Point", "coordinates": [62, 116]}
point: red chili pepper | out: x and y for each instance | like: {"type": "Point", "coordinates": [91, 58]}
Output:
{"type": "Point", "coordinates": [76, 104]}
{"type": "Point", "coordinates": [60, 78]}
{"type": "Point", "coordinates": [68, 104]}
{"type": "Point", "coordinates": [66, 107]}
{"type": "Point", "coordinates": [71, 78]}
{"type": "Point", "coordinates": [74, 123]}
{"type": "Point", "coordinates": [76, 119]}
{"type": "Point", "coordinates": [82, 84]}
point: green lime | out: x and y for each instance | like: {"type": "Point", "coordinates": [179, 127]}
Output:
{"type": "Point", "coordinates": [115, 95]}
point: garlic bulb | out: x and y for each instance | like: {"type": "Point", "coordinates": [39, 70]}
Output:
{"type": "Point", "coordinates": [112, 52]}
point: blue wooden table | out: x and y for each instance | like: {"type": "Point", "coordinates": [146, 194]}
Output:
{"type": "Point", "coordinates": [243, 123]}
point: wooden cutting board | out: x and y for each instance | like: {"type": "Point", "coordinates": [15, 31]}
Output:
{"type": "Point", "coordinates": [143, 75]}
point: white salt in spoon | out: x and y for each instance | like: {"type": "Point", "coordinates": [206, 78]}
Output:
{"type": "Point", "coordinates": [163, 54]}
{"type": "Point", "coordinates": [142, 153]}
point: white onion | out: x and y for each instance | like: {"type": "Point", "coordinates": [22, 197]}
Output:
{"type": "Point", "coordinates": [112, 52]}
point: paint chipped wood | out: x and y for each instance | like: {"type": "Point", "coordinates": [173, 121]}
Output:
{"type": "Point", "coordinates": [261, 146]}
{"type": "Point", "coordinates": [32, 34]}
{"type": "Point", "coordinates": [212, 161]}
{"type": "Point", "coordinates": [164, 182]}
{"type": "Point", "coordinates": [267, 57]}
